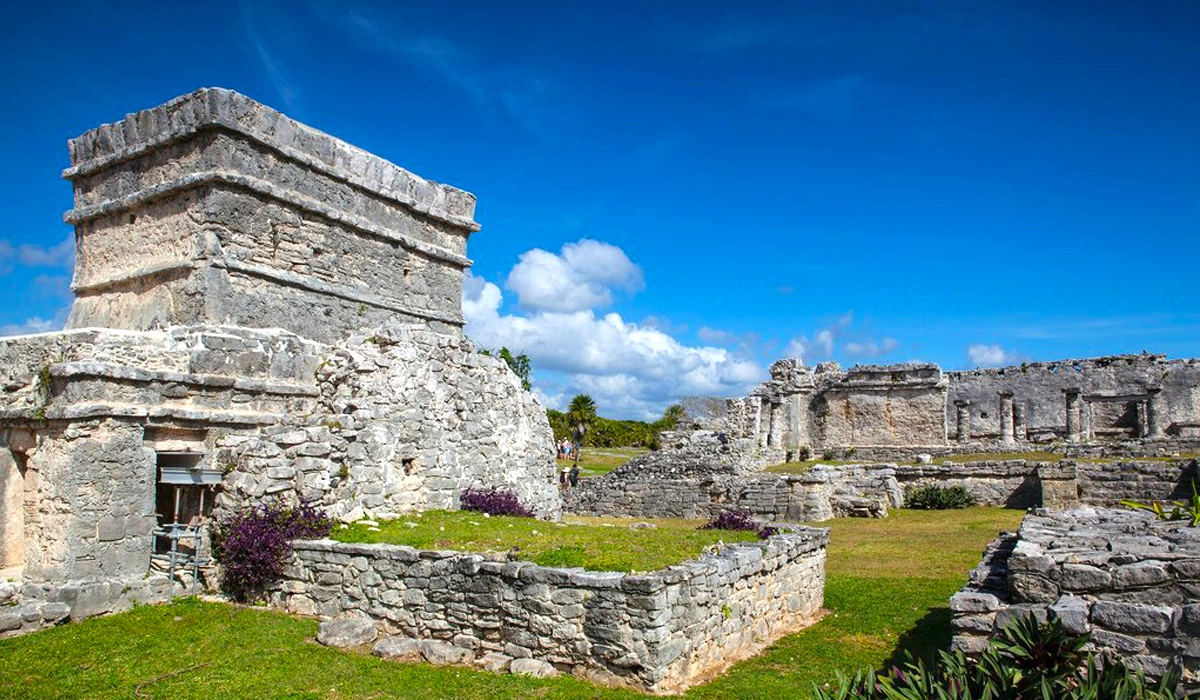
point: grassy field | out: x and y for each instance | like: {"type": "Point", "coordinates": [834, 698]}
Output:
{"type": "Point", "coordinates": [803, 467]}
{"type": "Point", "coordinates": [595, 461]}
{"type": "Point", "coordinates": [887, 590]}
{"type": "Point", "coordinates": [592, 543]}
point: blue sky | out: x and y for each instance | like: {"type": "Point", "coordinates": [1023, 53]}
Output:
{"type": "Point", "coordinates": [674, 195]}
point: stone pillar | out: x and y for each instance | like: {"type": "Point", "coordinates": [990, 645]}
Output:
{"type": "Point", "coordinates": [962, 425]}
{"type": "Point", "coordinates": [1154, 423]}
{"type": "Point", "coordinates": [1006, 417]}
{"type": "Point", "coordinates": [1020, 422]}
{"type": "Point", "coordinates": [775, 425]}
{"type": "Point", "coordinates": [1074, 396]}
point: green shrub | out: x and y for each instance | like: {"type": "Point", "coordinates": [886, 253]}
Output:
{"type": "Point", "coordinates": [1026, 660]}
{"type": "Point", "coordinates": [939, 498]}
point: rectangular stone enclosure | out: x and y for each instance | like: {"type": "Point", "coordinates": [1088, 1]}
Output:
{"type": "Point", "coordinates": [660, 632]}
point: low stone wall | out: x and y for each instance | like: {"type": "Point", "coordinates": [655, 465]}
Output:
{"type": "Point", "coordinates": [1130, 580]}
{"type": "Point", "coordinates": [661, 631]}
{"type": "Point", "coordinates": [30, 606]}
{"type": "Point", "coordinates": [1064, 484]}
{"type": "Point", "coordinates": [819, 494]}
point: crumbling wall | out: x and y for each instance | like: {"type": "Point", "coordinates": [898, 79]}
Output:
{"type": "Point", "coordinates": [1125, 577]}
{"type": "Point", "coordinates": [661, 631]}
{"type": "Point", "coordinates": [1110, 389]}
{"type": "Point", "coordinates": [407, 419]}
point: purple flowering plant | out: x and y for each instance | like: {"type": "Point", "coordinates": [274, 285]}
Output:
{"type": "Point", "coordinates": [738, 519]}
{"type": "Point", "coordinates": [252, 545]}
{"type": "Point", "coordinates": [494, 502]}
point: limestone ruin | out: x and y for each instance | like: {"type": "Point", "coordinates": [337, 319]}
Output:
{"type": "Point", "coordinates": [262, 311]}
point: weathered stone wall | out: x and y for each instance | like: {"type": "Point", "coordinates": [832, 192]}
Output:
{"type": "Point", "coordinates": [660, 631]}
{"type": "Point", "coordinates": [638, 490]}
{"type": "Point", "coordinates": [1039, 388]}
{"type": "Point", "coordinates": [880, 405]}
{"type": "Point", "coordinates": [1064, 484]}
{"type": "Point", "coordinates": [407, 419]}
{"type": "Point", "coordinates": [1124, 576]}
{"type": "Point", "coordinates": [215, 209]}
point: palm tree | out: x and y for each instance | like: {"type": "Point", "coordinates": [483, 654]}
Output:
{"type": "Point", "coordinates": [581, 416]}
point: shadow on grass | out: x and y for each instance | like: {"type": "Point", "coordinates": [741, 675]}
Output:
{"type": "Point", "coordinates": [924, 640]}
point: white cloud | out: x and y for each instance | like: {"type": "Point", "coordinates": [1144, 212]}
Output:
{"type": "Point", "coordinates": [582, 277]}
{"type": "Point", "coordinates": [983, 355]}
{"type": "Point", "coordinates": [870, 348]}
{"type": "Point", "coordinates": [631, 369]}
{"type": "Point", "coordinates": [36, 324]}
{"type": "Point", "coordinates": [821, 345]}
{"type": "Point", "coordinates": [61, 254]}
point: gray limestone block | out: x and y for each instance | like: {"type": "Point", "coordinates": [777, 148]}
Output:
{"type": "Point", "coordinates": [971, 601]}
{"type": "Point", "coordinates": [349, 629]}
{"type": "Point", "coordinates": [441, 653]}
{"type": "Point", "coordinates": [1147, 573]}
{"type": "Point", "coordinates": [1032, 588]}
{"type": "Point", "coordinates": [532, 667]}
{"type": "Point", "coordinates": [495, 661]}
{"type": "Point", "coordinates": [1072, 611]}
{"type": "Point", "coordinates": [1122, 643]}
{"type": "Point", "coordinates": [1132, 618]}
{"type": "Point", "coordinates": [403, 648]}
{"type": "Point", "coordinates": [1189, 621]}
{"type": "Point", "coordinates": [1081, 577]}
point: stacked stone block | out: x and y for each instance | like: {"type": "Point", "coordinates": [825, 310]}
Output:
{"type": "Point", "coordinates": [660, 631]}
{"type": "Point", "coordinates": [1127, 578]}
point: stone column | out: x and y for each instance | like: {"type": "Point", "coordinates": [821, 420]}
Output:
{"type": "Point", "coordinates": [962, 425]}
{"type": "Point", "coordinates": [1020, 422]}
{"type": "Point", "coordinates": [1074, 414]}
{"type": "Point", "coordinates": [1154, 427]}
{"type": "Point", "coordinates": [775, 426]}
{"type": "Point", "coordinates": [1006, 417]}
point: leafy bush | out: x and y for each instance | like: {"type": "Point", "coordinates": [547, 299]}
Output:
{"type": "Point", "coordinates": [252, 545]}
{"type": "Point", "coordinates": [939, 498]}
{"type": "Point", "coordinates": [494, 502]}
{"type": "Point", "coordinates": [1026, 660]}
{"type": "Point", "coordinates": [738, 519]}
{"type": "Point", "coordinates": [1179, 510]}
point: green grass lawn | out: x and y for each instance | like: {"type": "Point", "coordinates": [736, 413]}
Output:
{"type": "Point", "coordinates": [593, 543]}
{"type": "Point", "coordinates": [803, 467]}
{"type": "Point", "coordinates": [596, 461]}
{"type": "Point", "coordinates": [888, 585]}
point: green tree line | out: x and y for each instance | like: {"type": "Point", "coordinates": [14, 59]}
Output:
{"type": "Point", "coordinates": [609, 432]}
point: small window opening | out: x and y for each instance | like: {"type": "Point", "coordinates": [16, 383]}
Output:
{"type": "Point", "coordinates": [183, 503]}
{"type": "Point", "coordinates": [409, 464]}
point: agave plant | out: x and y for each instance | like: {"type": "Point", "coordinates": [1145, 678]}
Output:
{"type": "Point", "coordinates": [1179, 510]}
{"type": "Point", "coordinates": [1026, 661]}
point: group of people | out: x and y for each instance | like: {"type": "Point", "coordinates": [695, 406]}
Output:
{"type": "Point", "coordinates": [566, 449]}
{"type": "Point", "coordinates": [568, 478]}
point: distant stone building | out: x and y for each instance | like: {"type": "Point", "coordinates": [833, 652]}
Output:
{"type": "Point", "coordinates": [1145, 398]}
{"type": "Point", "coordinates": [262, 311]}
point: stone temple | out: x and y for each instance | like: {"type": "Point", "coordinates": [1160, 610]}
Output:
{"type": "Point", "coordinates": [261, 311]}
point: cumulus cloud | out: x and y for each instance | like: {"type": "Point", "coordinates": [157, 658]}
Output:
{"type": "Point", "coordinates": [870, 348]}
{"type": "Point", "coordinates": [984, 355]}
{"type": "Point", "coordinates": [582, 276]}
{"type": "Point", "coordinates": [820, 345]}
{"type": "Point", "coordinates": [631, 369]}
{"type": "Point", "coordinates": [60, 255]}
{"type": "Point", "coordinates": [36, 324]}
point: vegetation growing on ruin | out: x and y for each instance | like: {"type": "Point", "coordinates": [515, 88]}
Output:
{"type": "Point", "coordinates": [939, 498]}
{"type": "Point", "coordinates": [889, 583]}
{"type": "Point", "coordinates": [601, 546]}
